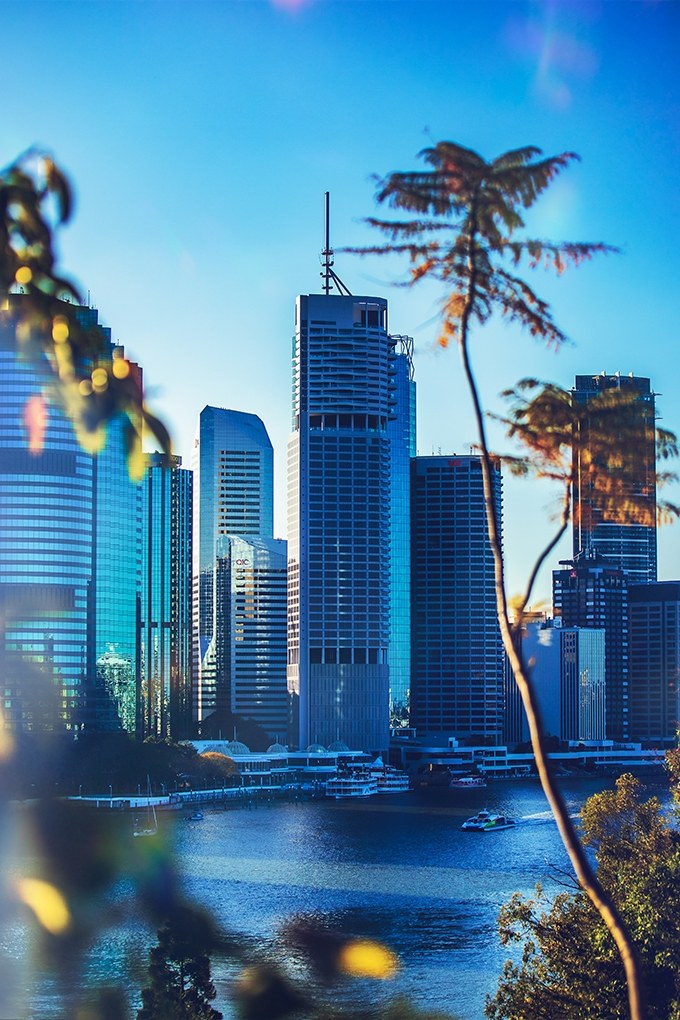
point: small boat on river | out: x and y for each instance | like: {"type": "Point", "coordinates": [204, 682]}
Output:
{"type": "Point", "coordinates": [468, 783]}
{"type": "Point", "coordinates": [147, 826]}
{"type": "Point", "coordinates": [486, 821]}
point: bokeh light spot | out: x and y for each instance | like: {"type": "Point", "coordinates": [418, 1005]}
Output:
{"type": "Point", "coordinates": [100, 380]}
{"type": "Point", "coordinates": [365, 958]}
{"type": "Point", "coordinates": [120, 368]}
{"type": "Point", "coordinates": [47, 903]}
{"type": "Point", "coordinates": [23, 275]}
{"type": "Point", "coordinates": [60, 329]}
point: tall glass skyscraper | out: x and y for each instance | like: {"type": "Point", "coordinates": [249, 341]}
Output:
{"type": "Point", "coordinates": [457, 655]}
{"type": "Point", "coordinates": [233, 495]}
{"type": "Point", "coordinates": [630, 546]}
{"type": "Point", "coordinates": [46, 529]}
{"type": "Point", "coordinates": [251, 599]}
{"type": "Point", "coordinates": [339, 521]}
{"type": "Point", "coordinates": [165, 612]}
{"type": "Point", "coordinates": [401, 430]}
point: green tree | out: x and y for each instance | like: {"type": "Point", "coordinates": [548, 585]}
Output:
{"type": "Point", "coordinates": [569, 967]}
{"type": "Point", "coordinates": [464, 229]}
{"type": "Point", "coordinates": [179, 971]}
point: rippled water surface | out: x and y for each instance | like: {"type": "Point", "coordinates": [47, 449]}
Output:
{"type": "Point", "coordinates": [396, 868]}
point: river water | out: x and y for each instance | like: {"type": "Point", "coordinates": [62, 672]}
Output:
{"type": "Point", "coordinates": [396, 868]}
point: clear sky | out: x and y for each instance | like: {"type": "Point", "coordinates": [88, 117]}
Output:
{"type": "Point", "coordinates": [202, 136]}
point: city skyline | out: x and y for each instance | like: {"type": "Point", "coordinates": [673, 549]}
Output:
{"type": "Point", "coordinates": [200, 188]}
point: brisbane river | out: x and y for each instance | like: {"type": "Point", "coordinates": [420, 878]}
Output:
{"type": "Point", "coordinates": [396, 868]}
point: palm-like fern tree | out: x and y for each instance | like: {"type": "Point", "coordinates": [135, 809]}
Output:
{"type": "Point", "coordinates": [462, 229]}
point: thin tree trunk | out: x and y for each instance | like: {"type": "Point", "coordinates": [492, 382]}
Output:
{"type": "Point", "coordinates": [582, 868]}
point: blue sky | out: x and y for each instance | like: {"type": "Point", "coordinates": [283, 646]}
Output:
{"type": "Point", "coordinates": [202, 136]}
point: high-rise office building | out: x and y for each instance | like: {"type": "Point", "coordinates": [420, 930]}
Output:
{"type": "Point", "coordinates": [251, 611]}
{"type": "Point", "coordinates": [46, 508]}
{"type": "Point", "coordinates": [117, 565]}
{"type": "Point", "coordinates": [339, 521]}
{"type": "Point", "coordinates": [654, 612]}
{"type": "Point", "coordinates": [457, 656]}
{"type": "Point", "coordinates": [592, 592]}
{"type": "Point", "coordinates": [233, 495]}
{"type": "Point", "coordinates": [165, 609]}
{"type": "Point", "coordinates": [71, 548]}
{"type": "Point", "coordinates": [630, 546]}
{"type": "Point", "coordinates": [567, 666]}
{"type": "Point", "coordinates": [401, 430]}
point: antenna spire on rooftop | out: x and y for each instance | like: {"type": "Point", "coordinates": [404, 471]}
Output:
{"type": "Point", "coordinates": [328, 274]}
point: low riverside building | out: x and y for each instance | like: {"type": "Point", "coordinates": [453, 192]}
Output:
{"type": "Point", "coordinates": [277, 766]}
{"type": "Point", "coordinates": [434, 760]}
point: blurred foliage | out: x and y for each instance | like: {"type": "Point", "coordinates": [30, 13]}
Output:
{"type": "Point", "coordinates": [90, 382]}
{"type": "Point", "coordinates": [570, 967]}
{"type": "Point", "coordinates": [561, 434]}
{"type": "Point", "coordinates": [464, 214]}
{"type": "Point", "coordinates": [46, 764]}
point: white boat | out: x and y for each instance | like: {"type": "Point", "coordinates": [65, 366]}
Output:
{"type": "Point", "coordinates": [148, 826]}
{"type": "Point", "coordinates": [485, 821]}
{"type": "Point", "coordinates": [468, 783]}
{"type": "Point", "coordinates": [390, 780]}
{"type": "Point", "coordinates": [353, 784]}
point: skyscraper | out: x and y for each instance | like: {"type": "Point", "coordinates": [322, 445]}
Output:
{"type": "Point", "coordinates": [70, 554]}
{"type": "Point", "coordinates": [456, 651]}
{"type": "Point", "coordinates": [567, 666]}
{"type": "Point", "coordinates": [401, 430]}
{"type": "Point", "coordinates": [251, 603]}
{"type": "Point", "coordinates": [592, 592]}
{"type": "Point", "coordinates": [339, 520]}
{"type": "Point", "coordinates": [165, 610]}
{"type": "Point", "coordinates": [654, 660]}
{"type": "Point", "coordinates": [630, 546]}
{"type": "Point", "coordinates": [233, 495]}
{"type": "Point", "coordinates": [117, 565]}
{"type": "Point", "coordinates": [46, 508]}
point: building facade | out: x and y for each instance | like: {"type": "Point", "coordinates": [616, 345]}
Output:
{"type": "Point", "coordinates": [456, 650]}
{"type": "Point", "coordinates": [567, 666]}
{"type": "Point", "coordinates": [46, 534]}
{"type": "Point", "coordinates": [233, 495]}
{"type": "Point", "coordinates": [592, 592]}
{"type": "Point", "coordinates": [251, 613]}
{"type": "Point", "coordinates": [165, 605]}
{"type": "Point", "coordinates": [339, 522]}
{"type": "Point", "coordinates": [655, 661]}
{"type": "Point", "coordinates": [629, 546]}
{"type": "Point", "coordinates": [401, 430]}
